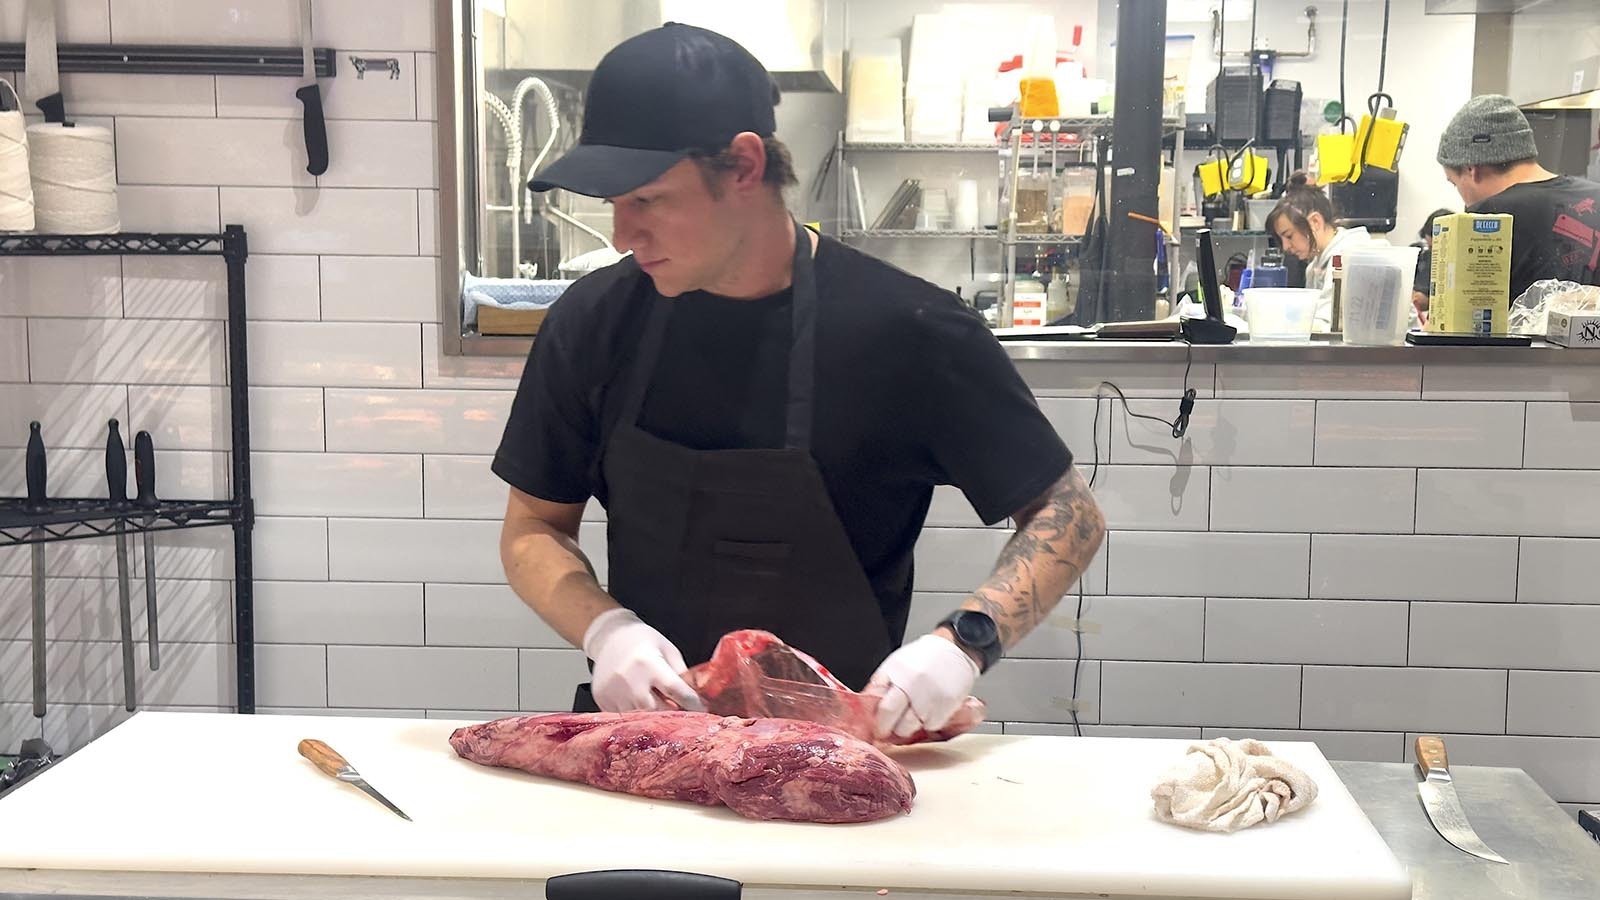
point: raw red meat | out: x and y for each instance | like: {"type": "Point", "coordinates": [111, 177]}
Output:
{"type": "Point", "coordinates": [754, 674]}
{"type": "Point", "coordinates": [760, 768]}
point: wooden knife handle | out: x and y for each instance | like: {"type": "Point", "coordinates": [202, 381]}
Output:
{"type": "Point", "coordinates": [323, 756]}
{"type": "Point", "coordinates": [1430, 753]}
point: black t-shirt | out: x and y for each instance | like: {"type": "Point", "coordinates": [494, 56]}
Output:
{"type": "Point", "coordinates": [912, 390]}
{"type": "Point", "coordinates": [1555, 230]}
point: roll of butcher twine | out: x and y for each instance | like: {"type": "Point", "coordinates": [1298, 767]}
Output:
{"type": "Point", "coordinates": [74, 172]}
{"type": "Point", "coordinates": [16, 190]}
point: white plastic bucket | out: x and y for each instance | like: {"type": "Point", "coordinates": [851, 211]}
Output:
{"type": "Point", "coordinates": [1377, 295]}
{"type": "Point", "coordinates": [1280, 314]}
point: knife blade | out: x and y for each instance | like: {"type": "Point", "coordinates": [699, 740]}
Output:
{"type": "Point", "coordinates": [117, 488]}
{"type": "Point", "coordinates": [1438, 792]}
{"type": "Point", "coordinates": [41, 75]}
{"type": "Point", "coordinates": [144, 476]}
{"type": "Point", "coordinates": [36, 471]}
{"type": "Point", "coordinates": [316, 128]}
{"type": "Point", "coordinates": [330, 763]}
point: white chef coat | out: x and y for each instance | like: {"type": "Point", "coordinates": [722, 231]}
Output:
{"type": "Point", "coordinates": [1319, 275]}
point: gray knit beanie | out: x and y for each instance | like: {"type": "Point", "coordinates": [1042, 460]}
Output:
{"type": "Point", "coordinates": [1489, 129]}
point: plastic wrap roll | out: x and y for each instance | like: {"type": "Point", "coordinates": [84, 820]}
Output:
{"type": "Point", "coordinates": [74, 173]}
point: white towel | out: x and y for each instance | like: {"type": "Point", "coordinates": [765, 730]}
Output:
{"type": "Point", "coordinates": [1226, 785]}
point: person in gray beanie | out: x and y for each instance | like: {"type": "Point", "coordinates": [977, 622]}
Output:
{"type": "Point", "coordinates": [1489, 155]}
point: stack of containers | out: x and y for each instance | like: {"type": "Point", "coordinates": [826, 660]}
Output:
{"type": "Point", "coordinates": [934, 81]}
{"type": "Point", "coordinates": [874, 109]}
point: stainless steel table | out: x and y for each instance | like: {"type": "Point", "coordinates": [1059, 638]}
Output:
{"type": "Point", "coordinates": [1551, 857]}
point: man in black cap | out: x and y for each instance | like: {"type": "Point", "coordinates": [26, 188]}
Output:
{"type": "Point", "coordinates": [763, 413]}
{"type": "Point", "coordinates": [1489, 155]}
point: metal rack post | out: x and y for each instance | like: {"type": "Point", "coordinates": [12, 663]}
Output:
{"type": "Point", "coordinates": [235, 249]}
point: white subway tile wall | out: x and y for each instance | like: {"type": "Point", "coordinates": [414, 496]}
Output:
{"type": "Point", "coordinates": [1335, 553]}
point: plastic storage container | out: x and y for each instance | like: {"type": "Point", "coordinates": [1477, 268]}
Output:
{"type": "Point", "coordinates": [1033, 202]}
{"type": "Point", "coordinates": [1280, 314]}
{"type": "Point", "coordinates": [875, 92]}
{"type": "Point", "coordinates": [1077, 199]}
{"type": "Point", "coordinates": [1376, 295]}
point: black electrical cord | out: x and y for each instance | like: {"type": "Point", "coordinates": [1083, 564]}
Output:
{"type": "Point", "coordinates": [1375, 102]}
{"type": "Point", "coordinates": [1383, 49]}
{"type": "Point", "coordinates": [1254, 7]}
{"type": "Point", "coordinates": [1180, 427]}
{"type": "Point", "coordinates": [1222, 54]}
{"type": "Point", "coordinates": [1344, 39]}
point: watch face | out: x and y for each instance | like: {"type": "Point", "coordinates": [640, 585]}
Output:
{"type": "Point", "coordinates": [976, 629]}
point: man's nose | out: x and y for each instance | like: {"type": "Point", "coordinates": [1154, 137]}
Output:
{"type": "Point", "coordinates": [624, 229]}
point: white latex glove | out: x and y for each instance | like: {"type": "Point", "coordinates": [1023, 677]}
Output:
{"type": "Point", "coordinates": [923, 684]}
{"type": "Point", "coordinates": [635, 666]}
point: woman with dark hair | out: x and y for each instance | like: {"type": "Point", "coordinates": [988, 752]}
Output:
{"type": "Point", "coordinates": [1421, 284]}
{"type": "Point", "coordinates": [1303, 223]}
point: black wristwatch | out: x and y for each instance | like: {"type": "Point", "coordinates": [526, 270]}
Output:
{"type": "Point", "coordinates": [976, 632]}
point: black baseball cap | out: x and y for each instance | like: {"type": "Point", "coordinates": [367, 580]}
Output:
{"type": "Point", "coordinates": [654, 98]}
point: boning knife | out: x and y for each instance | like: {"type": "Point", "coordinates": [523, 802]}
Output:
{"type": "Point", "coordinates": [1439, 798]}
{"type": "Point", "coordinates": [117, 487]}
{"type": "Point", "coordinates": [144, 477]}
{"type": "Point", "coordinates": [35, 465]}
{"type": "Point", "coordinates": [316, 129]}
{"type": "Point", "coordinates": [330, 763]}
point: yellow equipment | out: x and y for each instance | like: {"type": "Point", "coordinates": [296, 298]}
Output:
{"type": "Point", "coordinates": [1336, 158]}
{"type": "Point", "coordinates": [1246, 171]}
{"type": "Point", "coordinates": [1378, 141]}
{"type": "Point", "coordinates": [1381, 138]}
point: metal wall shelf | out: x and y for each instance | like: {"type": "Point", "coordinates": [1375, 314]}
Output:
{"type": "Point", "coordinates": [66, 519]}
{"type": "Point", "coordinates": [911, 147]}
{"type": "Point", "coordinates": [162, 59]}
{"type": "Point", "coordinates": [124, 243]}
{"type": "Point", "coordinates": [1069, 239]}
{"type": "Point", "coordinates": [70, 519]}
{"type": "Point", "coordinates": [900, 233]}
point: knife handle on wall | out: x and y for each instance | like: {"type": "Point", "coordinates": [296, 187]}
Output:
{"type": "Point", "coordinates": [144, 469]}
{"type": "Point", "coordinates": [1431, 756]}
{"type": "Point", "coordinates": [116, 465]}
{"type": "Point", "coordinates": [36, 470]}
{"type": "Point", "coordinates": [316, 129]}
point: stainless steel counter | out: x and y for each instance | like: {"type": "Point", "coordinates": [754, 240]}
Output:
{"type": "Point", "coordinates": [489, 349]}
{"type": "Point", "coordinates": [1551, 857]}
{"type": "Point", "coordinates": [1319, 351]}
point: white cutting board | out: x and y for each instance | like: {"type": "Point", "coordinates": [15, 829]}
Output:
{"type": "Point", "coordinates": [1035, 815]}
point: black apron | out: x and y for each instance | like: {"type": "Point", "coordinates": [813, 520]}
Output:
{"type": "Point", "coordinates": [704, 542]}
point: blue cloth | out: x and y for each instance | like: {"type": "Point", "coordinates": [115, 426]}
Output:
{"type": "Point", "coordinates": [507, 293]}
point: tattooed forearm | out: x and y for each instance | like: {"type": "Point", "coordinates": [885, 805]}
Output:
{"type": "Point", "coordinates": [1057, 536]}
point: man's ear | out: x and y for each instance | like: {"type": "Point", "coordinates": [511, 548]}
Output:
{"type": "Point", "coordinates": [751, 154]}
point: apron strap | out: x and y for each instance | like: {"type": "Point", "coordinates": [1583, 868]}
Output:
{"type": "Point", "coordinates": [644, 361]}
{"type": "Point", "coordinates": [802, 351]}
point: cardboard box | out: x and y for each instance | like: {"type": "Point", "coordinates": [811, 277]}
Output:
{"type": "Point", "coordinates": [1471, 277]}
{"type": "Point", "coordinates": [494, 320]}
{"type": "Point", "coordinates": [1574, 330]}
